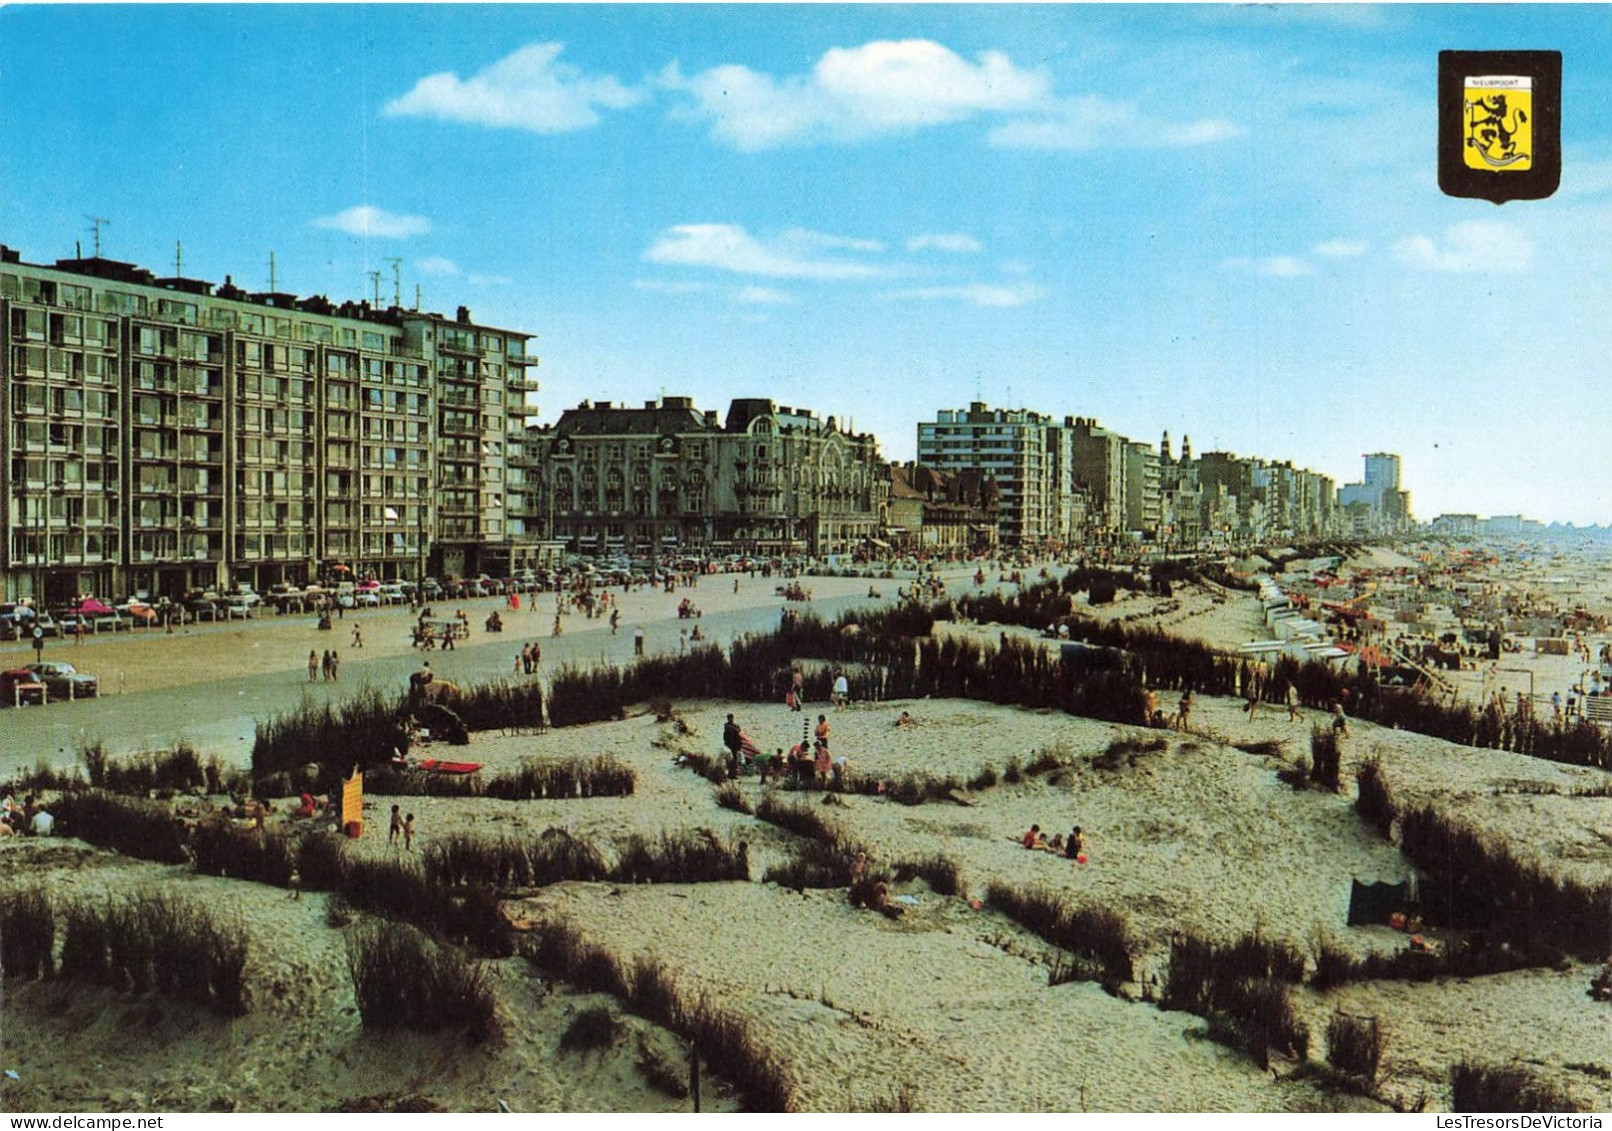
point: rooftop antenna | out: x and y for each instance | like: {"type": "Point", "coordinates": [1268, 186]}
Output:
{"type": "Point", "coordinates": [272, 288]}
{"type": "Point", "coordinates": [397, 281]}
{"type": "Point", "coordinates": [375, 280]}
{"type": "Point", "coordinates": [416, 297]}
{"type": "Point", "coordinates": [95, 225]}
{"type": "Point", "coordinates": [179, 259]}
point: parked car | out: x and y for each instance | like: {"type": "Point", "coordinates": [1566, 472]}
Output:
{"type": "Point", "coordinates": [202, 604]}
{"type": "Point", "coordinates": [15, 620]}
{"type": "Point", "coordinates": [237, 607]}
{"type": "Point", "coordinates": [20, 686]}
{"type": "Point", "coordinates": [64, 681]}
{"type": "Point", "coordinates": [391, 594]}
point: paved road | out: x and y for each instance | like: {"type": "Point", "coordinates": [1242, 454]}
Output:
{"type": "Point", "coordinates": [219, 716]}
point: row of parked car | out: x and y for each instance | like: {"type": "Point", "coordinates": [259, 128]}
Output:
{"type": "Point", "coordinates": [18, 621]}
{"type": "Point", "coordinates": [48, 681]}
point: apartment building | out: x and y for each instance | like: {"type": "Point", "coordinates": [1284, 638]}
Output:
{"type": "Point", "coordinates": [1010, 446]}
{"type": "Point", "coordinates": [168, 434]}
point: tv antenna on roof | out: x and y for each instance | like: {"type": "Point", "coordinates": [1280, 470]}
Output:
{"type": "Point", "coordinates": [179, 259]}
{"type": "Point", "coordinates": [397, 281]}
{"type": "Point", "coordinates": [95, 226]}
{"type": "Point", "coordinates": [375, 280]}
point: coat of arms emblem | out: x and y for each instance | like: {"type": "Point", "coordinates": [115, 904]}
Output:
{"type": "Point", "coordinates": [1500, 124]}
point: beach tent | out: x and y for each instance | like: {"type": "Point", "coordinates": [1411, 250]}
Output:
{"type": "Point", "coordinates": [1373, 903]}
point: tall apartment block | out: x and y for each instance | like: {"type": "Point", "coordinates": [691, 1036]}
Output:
{"type": "Point", "coordinates": [163, 435]}
{"type": "Point", "coordinates": [1007, 444]}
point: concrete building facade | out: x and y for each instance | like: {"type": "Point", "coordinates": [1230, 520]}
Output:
{"type": "Point", "coordinates": [165, 435]}
{"type": "Point", "coordinates": [1009, 445]}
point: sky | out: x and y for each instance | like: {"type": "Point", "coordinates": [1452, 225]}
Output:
{"type": "Point", "coordinates": [1223, 222]}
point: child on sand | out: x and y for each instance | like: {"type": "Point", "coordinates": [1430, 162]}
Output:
{"type": "Point", "coordinates": [408, 832]}
{"type": "Point", "coordinates": [395, 832]}
{"type": "Point", "coordinates": [1029, 839]}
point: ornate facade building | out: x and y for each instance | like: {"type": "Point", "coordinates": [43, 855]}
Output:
{"type": "Point", "coordinates": [668, 478]}
{"type": "Point", "coordinates": [940, 510]}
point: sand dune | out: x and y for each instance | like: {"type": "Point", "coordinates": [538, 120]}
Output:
{"type": "Point", "coordinates": [950, 1004]}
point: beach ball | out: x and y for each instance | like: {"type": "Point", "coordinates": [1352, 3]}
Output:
{"type": "Point", "coordinates": [1080, 859]}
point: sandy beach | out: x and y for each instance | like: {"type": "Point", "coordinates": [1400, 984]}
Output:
{"type": "Point", "coordinates": [948, 1005]}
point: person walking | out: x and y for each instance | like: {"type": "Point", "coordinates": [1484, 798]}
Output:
{"type": "Point", "coordinates": [335, 666]}
{"type": "Point", "coordinates": [1292, 703]}
{"type": "Point", "coordinates": [408, 833]}
{"type": "Point", "coordinates": [395, 832]}
{"type": "Point", "coordinates": [313, 666]}
{"type": "Point", "coordinates": [358, 635]}
{"type": "Point", "coordinates": [638, 640]}
{"type": "Point", "coordinates": [615, 620]}
{"type": "Point", "coordinates": [324, 665]}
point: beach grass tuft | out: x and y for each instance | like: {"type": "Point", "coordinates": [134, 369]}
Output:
{"type": "Point", "coordinates": [592, 1029]}
{"type": "Point", "coordinates": [1510, 1089]}
{"type": "Point", "coordinates": [1099, 935]}
{"type": "Point", "coordinates": [684, 856]}
{"type": "Point", "coordinates": [225, 849]}
{"type": "Point", "coordinates": [155, 942]}
{"type": "Point", "coordinates": [123, 824]}
{"type": "Point", "coordinates": [730, 796]}
{"type": "Point", "coordinates": [1355, 1048]}
{"type": "Point", "coordinates": [27, 934]}
{"type": "Point", "coordinates": [941, 873]}
{"type": "Point", "coordinates": [402, 980]}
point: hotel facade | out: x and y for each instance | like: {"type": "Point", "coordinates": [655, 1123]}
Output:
{"type": "Point", "coordinates": [667, 477]}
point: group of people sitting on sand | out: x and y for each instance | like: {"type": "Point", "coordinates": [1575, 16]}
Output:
{"type": "Point", "coordinates": [1072, 847]}
{"type": "Point", "coordinates": [31, 818]}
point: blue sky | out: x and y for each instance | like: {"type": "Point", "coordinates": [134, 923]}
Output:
{"type": "Point", "coordinates": [1220, 221]}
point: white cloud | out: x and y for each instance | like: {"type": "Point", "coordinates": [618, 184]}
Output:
{"type": "Point", "coordinates": [762, 296]}
{"type": "Point", "coordinates": [729, 247]}
{"type": "Point", "coordinates": [806, 238]}
{"type": "Point", "coordinates": [1477, 246]}
{"type": "Point", "coordinates": [1275, 266]}
{"type": "Point", "coordinates": [1283, 267]}
{"type": "Point", "coordinates": [528, 90]}
{"type": "Point", "coordinates": [1340, 249]}
{"type": "Point", "coordinates": [976, 294]}
{"type": "Point", "coordinates": [660, 286]}
{"type": "Point", "coordinates": [1090, 122]}
{"type": "Point", "coordinates": [366, 220]}
{"type": "Point", "coordinates": [959, 242]}
{"type": "Point", "coordinates": [436, 265]}
{"type": "Point", "coordinates": [851, 93]}
{"type": "Point", "coordinates": [476, 280]}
